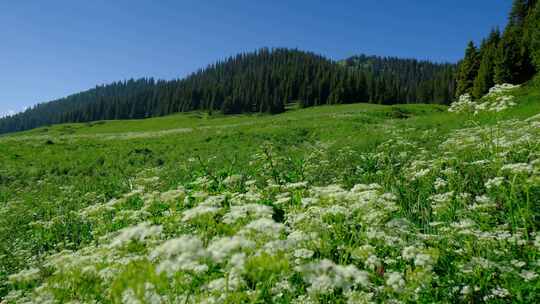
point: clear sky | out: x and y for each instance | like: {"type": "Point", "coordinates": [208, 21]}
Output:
{"type": "Point", "coordinates": [49, 49]}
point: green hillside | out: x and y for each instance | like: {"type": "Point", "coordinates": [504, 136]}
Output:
{"type": "Point", "coordinates": [263, 81]}
{"type": "Point", "coordinates": [334, 204]}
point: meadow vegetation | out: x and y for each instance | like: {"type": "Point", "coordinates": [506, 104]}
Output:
{"type": "Point", "coordinates": [336, 204]}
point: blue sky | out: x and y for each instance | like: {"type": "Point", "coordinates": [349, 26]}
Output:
{"type": "Point", "coordinates": [50, 49]}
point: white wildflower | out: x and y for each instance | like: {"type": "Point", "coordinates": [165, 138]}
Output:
{"type": "Point", "coordinates": [201, 210]}
{"type": "Point", "coordinates": [395, 281]}
{"type": "Point", "coordinates": [518, 168]}
{"type": "Point", "coordinates": [230, 283]}
{"type": "Point", "coordinates": [440, 183]}
{"type": "Point", "coordinates": [359, 297]}
{"type": "Point", "coordinates": [420, 173]}
{"type": "Point", "coordinates": [463, 224]}
{"type": "Point", "coordinates": [150, 294]}
{"type": "Point", "coordinates": [463, 104]}
{"type": "Point", "coordinates": [518, 263]}
{"type": "Point", "coordinates": [129, 297]}
{"type": "Point", "coordinates": [336, 210]}
{"type": "Point", "coordinates": [172, 195]}
{"type": "Point", "coordinates": [265, 226]}
{"type": "Point", "coordinates": [283, 200]}
{"type": "Point", "coordinates": [484, 199]}
{"type": "Point", "coordinates": [498, 292]}
{"type": "Point", "coordinates": [247, 211]}
{"type": "Point", "coordinates": [423, 260]}
{"type": "Point", "coordinates": [364, 187]}
{"type": "Point", "coordinates": [232, 180]}
{"type": "Point", "coordinates": [528, 275]}
{"type": "Point", "coordinates": [494, 183]}
{"type": "Point", "coordinates": [183, 253]}
{"type": "Point", "coordinates": [303, 253]}
{"type": "Point", "coordinates": [409, 252]}
{"type": "Point", "coordinates": [372, 262]}
{"type": "Point", "coordinates": [221, 248]}
{"type": "Point", "coordinates": [296, 186]}
{"type": "Point", "coordinates": [324, 277]}
{"type": "Point", "coordinates": [26, 275]}
{"type": "Point", "coordinates": [136, 233]}
{"type": "Point", "coordinates": [537, 242]}
{"type": "Point", "coordinates": [308, 201]}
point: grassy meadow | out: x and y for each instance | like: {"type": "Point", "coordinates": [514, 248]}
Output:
{"type": "Point", "coordinates": [355, 203]}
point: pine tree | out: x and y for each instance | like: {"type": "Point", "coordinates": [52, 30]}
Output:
{"type": "Point", "coordinates": [534, 29]}
{"type": "Point", "coordinates": [514, 63]}
{"type": "Point", "coordinates": [485, 78]}
{"type": "Point", "coordinates": [486, 72]}
{"type": "Point", "coordinates": [509, 61]}
{"type": "Point", "coordinates": [519, 12]}
{"type": "Point", "coordinates": [468, 69]}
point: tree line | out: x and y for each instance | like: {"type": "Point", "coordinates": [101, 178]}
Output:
{"type": "Point", "coordinates": [264, 81]}
{"type": "Point", "coordinates": [512, 56]}
{"type": "Point", "coordinates": [400, 80]}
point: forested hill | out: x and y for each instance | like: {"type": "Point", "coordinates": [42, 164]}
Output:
{"type": "Point", "coordinates": [262, 81]}
{"type": "Point", "coordinates": [512, 56]}
{"type": "Point", "coordinates": [406, 80]}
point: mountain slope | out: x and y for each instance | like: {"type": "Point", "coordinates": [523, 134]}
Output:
{"type": "Point", "coordinates": [260, 82]}
{"type": "Point", "coordinates": [406, 80]}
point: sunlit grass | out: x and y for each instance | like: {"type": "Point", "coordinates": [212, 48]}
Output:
{"type": "Point", "coordinates": [336, 204]}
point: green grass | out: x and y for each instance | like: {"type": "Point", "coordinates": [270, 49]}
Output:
{"type": "Point", "coordinates": [199, 120]}
{"type": "Point", "coordinates": [50, 176]}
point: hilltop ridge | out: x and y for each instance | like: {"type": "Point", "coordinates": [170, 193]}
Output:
{"type": "Point", "coordinates": [264, 81]}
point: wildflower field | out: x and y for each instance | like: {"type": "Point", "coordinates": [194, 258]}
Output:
{"type": "Point", "coordinates": [335, 204]}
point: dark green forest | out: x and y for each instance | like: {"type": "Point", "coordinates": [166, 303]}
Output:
{"type": "Point", "coordinates": [512, 56]}
{"type": "Point", "coordinates": [399, 80]}
{"type": "Point", "coordinates": [264, 81]}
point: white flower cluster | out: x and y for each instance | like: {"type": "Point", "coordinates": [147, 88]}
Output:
{"type": "Point", "coordinates": [138, 233]}
{"type": "Point", "coordinates": [499, 89]}
{"type": "Point", "coordinates": [253, 211]}
{"type": "Point", "coordinates": [325, 277]}
{"type": "Point", "coordinates": [184, 253]}
{"type": "Point", "coordinates": [463, 104]}
{"type": "Point", "coordinates": [25, 276]}
{"type": "Point", "coordinates": [498, 99]}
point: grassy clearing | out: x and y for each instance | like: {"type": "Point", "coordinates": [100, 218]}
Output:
{"type": "Point", "coordinates": [198, 120]}
{"type": "Point", "coordinates": [335, 204]}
